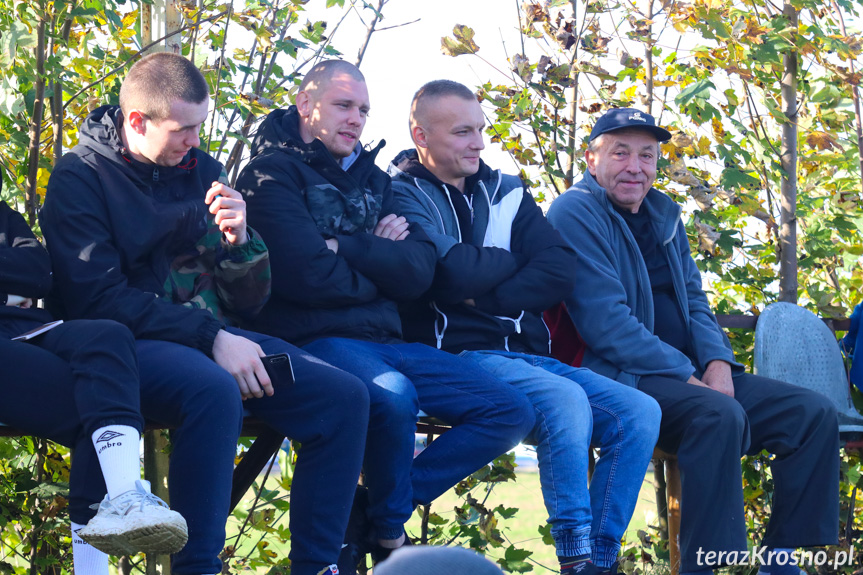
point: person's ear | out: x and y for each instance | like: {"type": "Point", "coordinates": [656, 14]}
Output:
{"type": "Point", "coordinates": [418, 135]}
{"type": "Point", "coordinates": [590, 158]}
{"type": "Point", "coordinates": [304, 104]}
{"type": "Point", "coordinates": [137, 121]}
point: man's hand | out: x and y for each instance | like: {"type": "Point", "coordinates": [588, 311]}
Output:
{"type": "Point", "coordinates": [242, 359]}
{"type": "Point", "coordinates": [695, 381]}
{"type": "Point", "coordinates": [718, 376]}
{"type": "Point", "coordinates": [229, 207]}
{"type": "Point", "coordinates": [19, 301]}
{"type": "Point", "coordinates": [392, 227]}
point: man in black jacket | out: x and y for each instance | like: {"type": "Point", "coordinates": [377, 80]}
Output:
{"type": "Point", "coordinates": [342, 257]}
{"type": "Point", "coordinates": [142, 230]}
{"type": "Point", "coordinates": [500, 265]}
{"type": "Point", "coordinates": [76, 383]}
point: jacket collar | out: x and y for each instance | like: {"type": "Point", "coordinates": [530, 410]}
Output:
{"type": "Point", "coordinates": [100, 133]}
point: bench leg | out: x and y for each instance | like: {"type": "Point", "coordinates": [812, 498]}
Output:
{"type": "Point", "coordinates": [672, 478]}
{"type": "Point", "coordinates": [253, 462]}
{"type": "Point", "coordinates": [156, 464]}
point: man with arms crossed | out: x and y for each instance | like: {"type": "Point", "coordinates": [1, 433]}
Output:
{"type": "Point", "coordinates": [342, 256]}
{"type": "Point", "coordinates": [639, 306]}
{"type": "Point", "coordinates": [500, 264]}
{"type": "Point", "coordinates": [141, 232]}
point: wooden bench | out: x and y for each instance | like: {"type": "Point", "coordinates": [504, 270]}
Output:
{"type": "Point", "coordinates": [267, 443]}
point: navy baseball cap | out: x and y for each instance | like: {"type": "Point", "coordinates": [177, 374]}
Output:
{"type": "Point", "coordinates": [620, 118]}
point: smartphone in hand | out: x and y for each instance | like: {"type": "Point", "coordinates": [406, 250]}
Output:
{"type": "Point", "coordinates": [279, 369]}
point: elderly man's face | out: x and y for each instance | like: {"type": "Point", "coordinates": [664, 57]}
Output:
{"type": "Point", "coordinates": [624, 163]}
{"type": "Point", "coordinates": [335, 114]}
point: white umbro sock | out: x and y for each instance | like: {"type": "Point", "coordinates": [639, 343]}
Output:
{"type": "Point", "coordinates": [87, 559]}
{"type": "Point", "coordinates": [117, 449]}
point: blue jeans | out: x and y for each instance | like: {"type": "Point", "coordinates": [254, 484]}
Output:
{"type": "Point", "coordinates": [488, 418]}
{"type": "Point", "coordinates": [325, 410]}
{"type": "Point", "coordinates": [620, 420]}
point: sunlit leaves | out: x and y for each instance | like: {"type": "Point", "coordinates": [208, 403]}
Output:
{"type": "Point", "coordinates": [461, 42]}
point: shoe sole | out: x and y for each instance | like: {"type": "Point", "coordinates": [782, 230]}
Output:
{"type": "Point", "coordinates": [163, 539]}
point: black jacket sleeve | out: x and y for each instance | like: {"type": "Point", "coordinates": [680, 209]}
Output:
{"type": "Point", "coordinates": [89, 269]}
{"type": "Point", "coordinates": [403, 270]}
{"type": "Point", "coordinates": [546, 278]}
{"type": "Point", "coordinates": [25, 267]}
{"type": "Point", "coordinates": [488, 266]}
{"type": "Point", "coordinates": [305, 271]}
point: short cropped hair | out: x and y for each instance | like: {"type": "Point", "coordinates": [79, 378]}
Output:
{"type": "Point", "coordinates": [322, 72]}
{"type": "Point", "coordinates": [156, 81]}
{"type": "Point", "coordinates": [435, 90]}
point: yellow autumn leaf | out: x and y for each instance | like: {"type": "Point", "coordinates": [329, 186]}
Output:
{"type": "Point", "coordinates": [681, 140]}
{"type": "Point", "coordinates": [704, 145]}
{"type": "Point", "coordinates": [754, 31]}
{"type": "Point", "coordinates": [718, 129]}
{"type": "Point", "coordinates": [822, 141]}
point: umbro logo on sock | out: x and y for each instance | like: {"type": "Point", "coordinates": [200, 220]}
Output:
{"type": "Point", "coordinates": [108, 436]}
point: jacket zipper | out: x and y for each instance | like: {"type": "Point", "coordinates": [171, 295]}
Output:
{"type": "Point", "coordinates": [434, 205]}
{"type": "Point", "coordinates": [439, 333]}
{"type": "Point", "coordinates": [449, 199]}
{"type": "Point", "coordinates": [517, 322]}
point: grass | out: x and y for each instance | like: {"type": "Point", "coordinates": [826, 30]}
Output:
{"type": "Point", "coordinates": [521, 530]}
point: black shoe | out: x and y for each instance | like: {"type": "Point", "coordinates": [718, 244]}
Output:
{"type": "Point", "coordinates": [380, 553]}
{"type": "Point", "coordinates": [584, 567]}
{"type": "Point", "coordinates": [610, 571]}
{"type": "Point", "coordinates": [355, 547]}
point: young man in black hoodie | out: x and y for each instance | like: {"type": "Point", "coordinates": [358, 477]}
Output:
{"type": "Point", "coordinates": [143, 230]}
{"type": "Point", "coordinates": [76, 383]}
{"type": "Point", "coordinates": [500, 265]}
{"type": "Point", "coordinates": [342, 258]}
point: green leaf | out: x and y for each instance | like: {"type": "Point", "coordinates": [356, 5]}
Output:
{"type": "Point", "coordinates": [18, 36]}
{"type": "Point", "coordinates": [514, 560]}
{"type": "Point", "coordinates": [331, 3]}
{"type": "Point", "coordinates": [699, 90]}
{"type": "Point", "coordinates": [734, 178]}
{"type": "Point", "coordinates": [462, 43]}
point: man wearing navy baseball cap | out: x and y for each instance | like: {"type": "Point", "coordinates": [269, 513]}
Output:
{"type": "Point", "coordinates": [639, 306]}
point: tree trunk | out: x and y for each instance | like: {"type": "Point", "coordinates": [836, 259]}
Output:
{"type": "Point", "coordinates": [788, 159]}
{"type": "Point", "coordinates": [648, 57]}
{"type": "Point", "coordinates": [35, 134]}
{"type": "Point", "coordinates": [573, 106]}
{"type": "Point", "coordinates": [855, 97]}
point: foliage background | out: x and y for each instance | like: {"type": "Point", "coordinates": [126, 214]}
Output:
{"type": "Point", "coordinates": [710, 70]}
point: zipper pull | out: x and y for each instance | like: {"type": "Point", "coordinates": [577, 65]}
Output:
{"type": "Point", "coordinates": [155, 174]}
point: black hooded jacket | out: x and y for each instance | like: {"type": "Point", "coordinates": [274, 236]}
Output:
{"type": "Point", "coordinates": [116, 226]}
{"type": "Point", "coordinates": [298, 196]}
{"type": "Point", "coordinates": [25, 270]}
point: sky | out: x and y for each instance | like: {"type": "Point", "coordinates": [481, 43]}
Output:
{"type": "Point", "coordinates": [401, 59]}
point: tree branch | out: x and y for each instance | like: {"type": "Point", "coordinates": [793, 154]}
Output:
{"type": "Point", "coordinates": [113, 71]}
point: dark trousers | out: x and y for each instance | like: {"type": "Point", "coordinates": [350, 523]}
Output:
{"type": "Point", "coordinates": [326, 410]}
{"type": "Point", "coordinates": [710, 432]}
{"type": "Point", "coordinates": [65, 384]}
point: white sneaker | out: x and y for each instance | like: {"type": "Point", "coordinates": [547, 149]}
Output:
{"type": "Point", "coordinates": [134, 522]}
